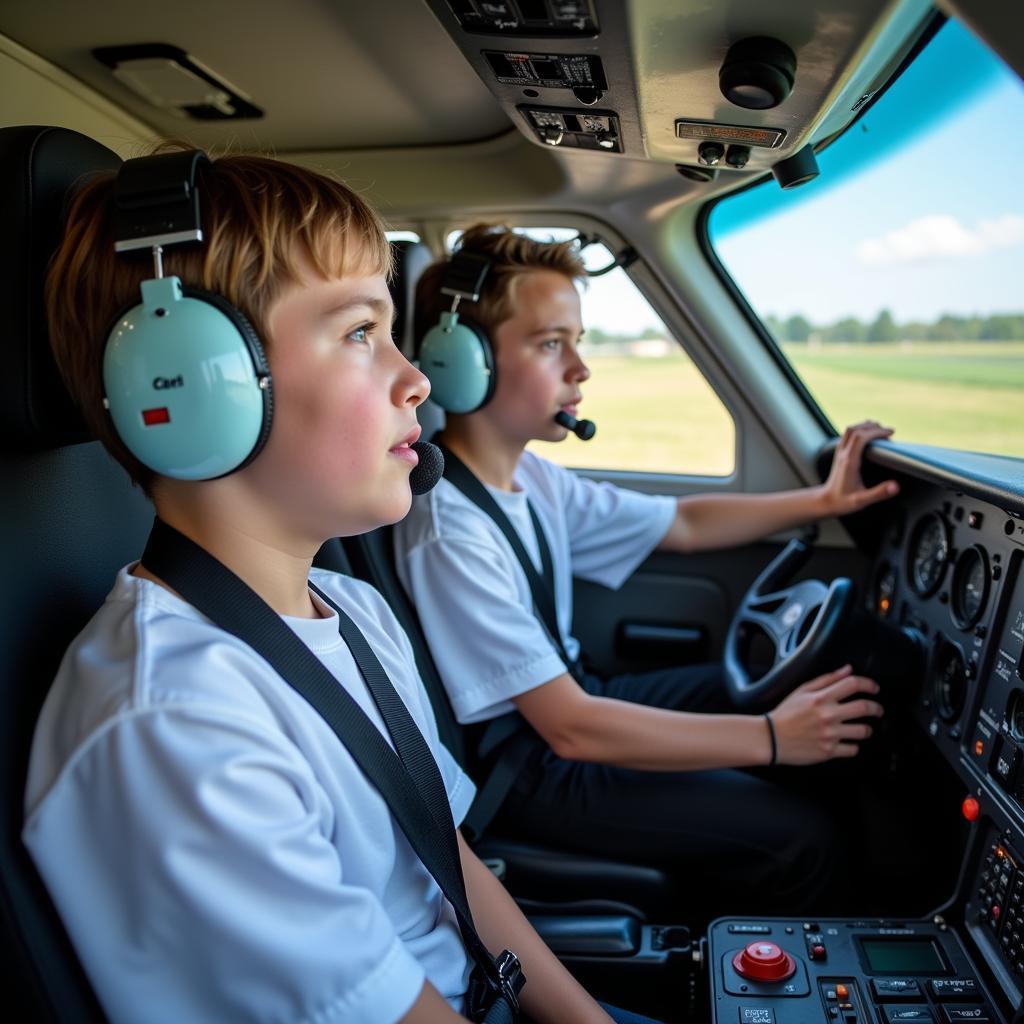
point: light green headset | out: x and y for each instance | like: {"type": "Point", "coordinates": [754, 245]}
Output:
{"type": "Point", "coordinates": [185, 377]}
{"type": "Point", "coordinates": [457, 356]}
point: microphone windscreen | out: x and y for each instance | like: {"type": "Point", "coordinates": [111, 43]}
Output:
{"type": "Point", "coordinates": [585, 429]}
{"type": "Point", "coordinates": [429, 469]}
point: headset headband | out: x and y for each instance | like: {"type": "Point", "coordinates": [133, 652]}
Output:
{"type": "Point", "coordinates": [157, 201]}
{"type": "Point", "coordinates": [464, 277]}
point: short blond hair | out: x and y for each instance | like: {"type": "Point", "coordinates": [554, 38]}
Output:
{"type": "Point", "coordinates": [511, 255]}
{"type": "Point", "coordinates": [258, 215]}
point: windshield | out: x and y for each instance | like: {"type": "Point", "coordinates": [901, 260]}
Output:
{"type": "Point", "coordinates": [893, 281]}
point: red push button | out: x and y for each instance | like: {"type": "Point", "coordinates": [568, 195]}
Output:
{"type": "Point", "coordinates": [970, 808]}
{"type": "Point", "coordinates": [764, 961]}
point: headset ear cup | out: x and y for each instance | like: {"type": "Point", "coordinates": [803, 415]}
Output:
{"type": "Point", "coordinates": [186, 383]}
{"type": "Point", "coordinates": [458, 360]}
{"type": "Point", "coordinates": [261, 368]}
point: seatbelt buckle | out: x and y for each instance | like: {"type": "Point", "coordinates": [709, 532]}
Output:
{"type": "Point", "coordinates": [510, 977]}
{"type": "Point", "coordinates": [502, 979]}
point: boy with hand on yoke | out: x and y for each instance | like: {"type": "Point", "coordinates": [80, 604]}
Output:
{"type": "Point", "coordinates": [638, 767]}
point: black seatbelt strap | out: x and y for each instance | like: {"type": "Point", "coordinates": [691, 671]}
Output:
{"type": "Point", "coordinates": [408, 740]}
{"type": "Point", "coordinates": [542, 584]}
{"type": "Point", "coordinates": [508, 739]}
{"type": "Point", "coordinates": [409, 781]}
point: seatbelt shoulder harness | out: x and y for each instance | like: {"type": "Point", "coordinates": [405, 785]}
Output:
{"type": "Point", "coordinates": [508, 739]}
{"type": "Point", "coordinates": [409, 781]}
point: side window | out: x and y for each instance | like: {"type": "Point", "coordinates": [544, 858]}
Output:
{"type": "Point", "coordinates": [655, 412]}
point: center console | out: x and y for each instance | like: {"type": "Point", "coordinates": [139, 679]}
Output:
{"type": "Point", "coordinates": [789, 971]}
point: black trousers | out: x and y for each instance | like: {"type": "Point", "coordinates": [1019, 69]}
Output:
{"type": "Point", "coordinates": [736, 842]}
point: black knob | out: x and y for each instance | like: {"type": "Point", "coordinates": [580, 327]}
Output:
{"type": "Point", "coordinates": [710, 153]}
{"type": "Point", "coordinates": [737, 156]}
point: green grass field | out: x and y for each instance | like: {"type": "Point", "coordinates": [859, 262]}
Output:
{"type": "Point", "coordinates": [659, 414]}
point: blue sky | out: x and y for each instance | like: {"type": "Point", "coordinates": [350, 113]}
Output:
{"type": "Point", "coordinates": [935, 225]}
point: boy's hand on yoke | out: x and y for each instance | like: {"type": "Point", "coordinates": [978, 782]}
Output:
{"type": "Point", "coordinates": [816, 722]}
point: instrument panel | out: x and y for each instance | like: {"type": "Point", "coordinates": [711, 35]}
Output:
{"type": "Point", "coordinates": [950, 568]}
{"type": "Point", "coordinates": [947, 568]}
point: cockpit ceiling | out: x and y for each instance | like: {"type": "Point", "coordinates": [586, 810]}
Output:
{"type": "Point", "coordinates": [343, 75]}
{"type": "Point", "coordinates": [329, 74]}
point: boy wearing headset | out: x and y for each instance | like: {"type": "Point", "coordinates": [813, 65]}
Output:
{"type": "Point", "coordinates": [214, 851]}
{"type": "Point", "coordinates": [639, 767]}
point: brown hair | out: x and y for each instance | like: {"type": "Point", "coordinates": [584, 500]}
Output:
{"type": "Point", "coordinates": [511, 256]}
{"type": "Point", "coordinates": [256, 212]}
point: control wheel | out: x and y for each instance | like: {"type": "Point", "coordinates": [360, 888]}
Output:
{"type": "Point", "coordinates": [784, 634]}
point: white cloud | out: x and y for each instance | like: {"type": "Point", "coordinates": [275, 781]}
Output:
{"type": "Point", "coordinates": [941, 236]}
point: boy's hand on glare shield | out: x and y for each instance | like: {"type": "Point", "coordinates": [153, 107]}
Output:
{"type": "Point", "coordinates": [844, 491]}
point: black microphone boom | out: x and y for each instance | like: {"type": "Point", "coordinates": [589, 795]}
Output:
{"type": "Point", "coordinates": [583, 429]}
{"type": "Point", "coordinates": [428, 470]}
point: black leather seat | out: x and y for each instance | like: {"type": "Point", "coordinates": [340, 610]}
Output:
{"type": "Point", "coordinates": [70, 521]}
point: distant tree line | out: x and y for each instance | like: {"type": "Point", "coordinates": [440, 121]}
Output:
{"type": "Point", "coordinates": [595, 336]}
{"type": "Point", "coordinates": [1000, 327]}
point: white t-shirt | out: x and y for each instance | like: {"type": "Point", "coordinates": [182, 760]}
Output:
{"type": "Point", "coordinates": [213, 849]}
{"type": "Point", "coordinates": [472, 595]}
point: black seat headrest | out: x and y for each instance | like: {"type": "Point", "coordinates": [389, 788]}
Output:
{"type": "Point", "coordinates": [39, 168]}
{"type": "Point", "coordinates": [71, 519]}
{"type": "Point", "coordinates": [411, 259]}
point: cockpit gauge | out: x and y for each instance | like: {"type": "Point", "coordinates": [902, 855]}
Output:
{"type": "Point", "coordinates": [929, 554]}
{"type": "Point", "coordinates": [949, 681]}
{"type": "Point", "coordinates": [970, 586]}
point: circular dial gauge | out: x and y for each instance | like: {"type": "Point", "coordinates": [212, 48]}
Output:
{"type": "Point", "coordinates": [884, 596]}
{"type": "Point", "coordinates": [929, 553]}
{"type": "Point", "coordinates": [949, 682]}
{"type": "Point", "coordinates": [970, 586]}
